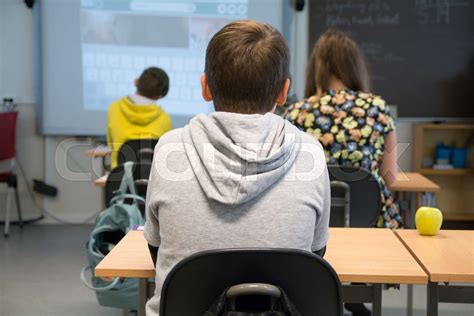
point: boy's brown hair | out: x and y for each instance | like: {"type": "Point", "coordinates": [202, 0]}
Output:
{"type": "Point", "coordinates": [336, 54]}
{"type": "Point", "coordinates": [153, 83]}
{"type": "Point", "coordinates": [247, 64]}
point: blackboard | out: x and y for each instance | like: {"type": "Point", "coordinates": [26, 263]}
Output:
{"type": "Point", "coordinates": [420, 52]}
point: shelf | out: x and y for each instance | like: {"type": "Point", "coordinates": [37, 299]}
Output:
{"type": "Point", "coordinates": [459, 217]}
{"type": "Point", "coordinates": [448, 126]}
{"type": "Point", "coordinates": [447, 172]}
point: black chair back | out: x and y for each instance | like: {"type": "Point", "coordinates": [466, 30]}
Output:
{"type": "Point", "coordinates": [196, 282]}
{"type": "Point", "coordinates": [137, 150]}
{"type": "Point", "coordinates": [355, 197]}
{"type": "Point", "coordinates": [141, 173]}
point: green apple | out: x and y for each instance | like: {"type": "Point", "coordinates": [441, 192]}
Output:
{"type": "Point", "coordinates": [428, 220]}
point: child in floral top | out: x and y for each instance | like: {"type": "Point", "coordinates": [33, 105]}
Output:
{"type": "Point", "coordinates": [354, 127]}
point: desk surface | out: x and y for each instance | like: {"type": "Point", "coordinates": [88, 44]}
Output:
{"type": "Point", "coordinates": [406, 182]}
{"type": "Point", "coordinates": [372, 255]}
{"type": "Point", "coordinates": [100, 151]}
{"type": "Point", "coordinates": [413, 182]}
{"type": "Point", "coordinates": [129, 258]}
{"type": "Point", "coordinates": [447, 257]}
{"type": "Point", "coordinates": [357, 255]}
{"type": "Point", "coordinates": [100, 182]}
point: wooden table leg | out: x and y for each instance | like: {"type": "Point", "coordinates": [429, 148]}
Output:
{"type": "Point", "coordinates": [412, 209]}
{"type": "Point", "coordinates": [417, 200]}
{"type": "Point", "coordinates": [364, 293]}
{"type": "Point", "coordinates": [404, 201]}
{"type": "Point", "coordinates": [432, 299]}
{"type": "Point", "coordinates": [410, 300]}
{"type": "Point", "coordinates": [142, 296]}
{"type": "Point", "coordinates": [377, 300]}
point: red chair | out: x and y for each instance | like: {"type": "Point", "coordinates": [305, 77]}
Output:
{"type": "Point", "coordinates": [8, 152]}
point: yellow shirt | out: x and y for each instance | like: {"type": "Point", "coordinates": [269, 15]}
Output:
{"type": "Point", "coordinates": [126, 121]}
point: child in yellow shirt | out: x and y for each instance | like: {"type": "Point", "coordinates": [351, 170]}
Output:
{"type": "Point", "coordinates": [138, 116]}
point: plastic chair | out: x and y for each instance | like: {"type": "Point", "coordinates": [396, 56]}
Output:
{"type": "Point", "coordinates": [137, 150]}
{"type": "Point", "coordinates": [141, 173]}
{"type": "Point", "coordinates": [357, 192]}
{"type": "Point", "coordinates": [8, 152]}
{"type": "Point", "coordinates": [196, 282]}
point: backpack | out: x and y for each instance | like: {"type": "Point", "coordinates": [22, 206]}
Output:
{"type": "Point", "coordinates": [111, 225]}
{"type": "Point", "coordinates": [226, 303]}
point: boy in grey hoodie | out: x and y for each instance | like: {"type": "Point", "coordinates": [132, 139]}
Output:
{"type": "Point", "coordinates": [241, 176]}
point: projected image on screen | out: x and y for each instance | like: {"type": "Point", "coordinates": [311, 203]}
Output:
{"type": "Point", "coordinates": [119, 39]}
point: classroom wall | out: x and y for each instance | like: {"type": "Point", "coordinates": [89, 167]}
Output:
{"type": "Point", "coordinates": [16, 80]}
{"type": "Point", "coordinates": [77, 198]}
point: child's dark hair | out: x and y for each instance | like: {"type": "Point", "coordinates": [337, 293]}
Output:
{"type": "Point", "coordinates": [153, 83]}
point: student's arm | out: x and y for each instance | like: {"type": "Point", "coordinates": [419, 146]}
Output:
{"type": "Point", "coordinates": [321, 229]}
{"type": "Point", "coordinates": [152, 225]}
{"type": "Point", "coordinates": [108, 131]}
{"type": "Point", "coordinates": [153, 253]}
{"type": "Point", "coordinates": [152, 232]}
{"type": "Point", "coordinates": [320, 252]}
{"type": "Point", "coordinates": [388, 167]}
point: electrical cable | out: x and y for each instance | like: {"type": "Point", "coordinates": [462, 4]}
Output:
{"type": "Point", "coordinates": [44, 210]}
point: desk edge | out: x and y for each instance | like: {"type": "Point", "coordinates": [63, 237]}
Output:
{"type": "Point", "coordinates": [142, 274]}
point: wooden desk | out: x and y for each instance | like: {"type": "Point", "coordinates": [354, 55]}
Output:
{"type": "Point", "coordinates": [100, 182]}
{"type": "Point", "coordinates": [447, 257]}
{"type": "Point", "coordinates": [98, 152]}
{"type": "Point", "coordinates": [413, 182]}
{"type": "Point", "coordinates": [357, 254]}
{"type": "Point", "coordinates": [408, 189]}
{"type": "Point", "coordinates": [130, 258]}
{"type": "Point", "coordinates": [374, 256]}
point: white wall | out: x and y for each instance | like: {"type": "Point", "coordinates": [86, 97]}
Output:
{"type": "Point", "coordinates": [16, 31]}
{"type": "Point", "coordinates": [76, 200]}
{"type": "Point", "coordinates": [16, 80]}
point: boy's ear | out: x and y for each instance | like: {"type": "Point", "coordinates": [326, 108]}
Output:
{"type": "Point", "coordinates": [136, 83]}
{"type": "Point", "coordinates": [206, 92]}
{"type": "Point", "coordinates": [283, 93]}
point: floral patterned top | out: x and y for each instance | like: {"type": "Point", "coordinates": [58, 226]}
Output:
{"type": "Point", "coordinates": [351, 126]}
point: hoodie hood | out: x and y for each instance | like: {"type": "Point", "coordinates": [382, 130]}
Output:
{"type": "Point", "coordinates": [235, 157]}
{"type": "Point", "coordinates": [139, 115]}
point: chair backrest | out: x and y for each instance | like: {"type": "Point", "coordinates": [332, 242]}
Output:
{"type": "Point", "coordinates": [137, 150]}
{"type": "Point", "coordinates": [141, 173]}
{"type": "Point", "coordinates": [355, 197]}
{"type": "Point", "coordinates": [8, 135]}
{"type": "Point", "coordinates": [197, 281]}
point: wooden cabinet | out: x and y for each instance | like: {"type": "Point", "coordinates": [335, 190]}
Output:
{"type": "Point", "coordinates": [456, 198]}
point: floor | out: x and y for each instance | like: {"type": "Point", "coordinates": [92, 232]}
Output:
{"type": "Point", "coordinates": [39, 275]}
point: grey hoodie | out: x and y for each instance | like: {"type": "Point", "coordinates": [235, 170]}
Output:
{"type": "Point", "coordinates": [231, 180]}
